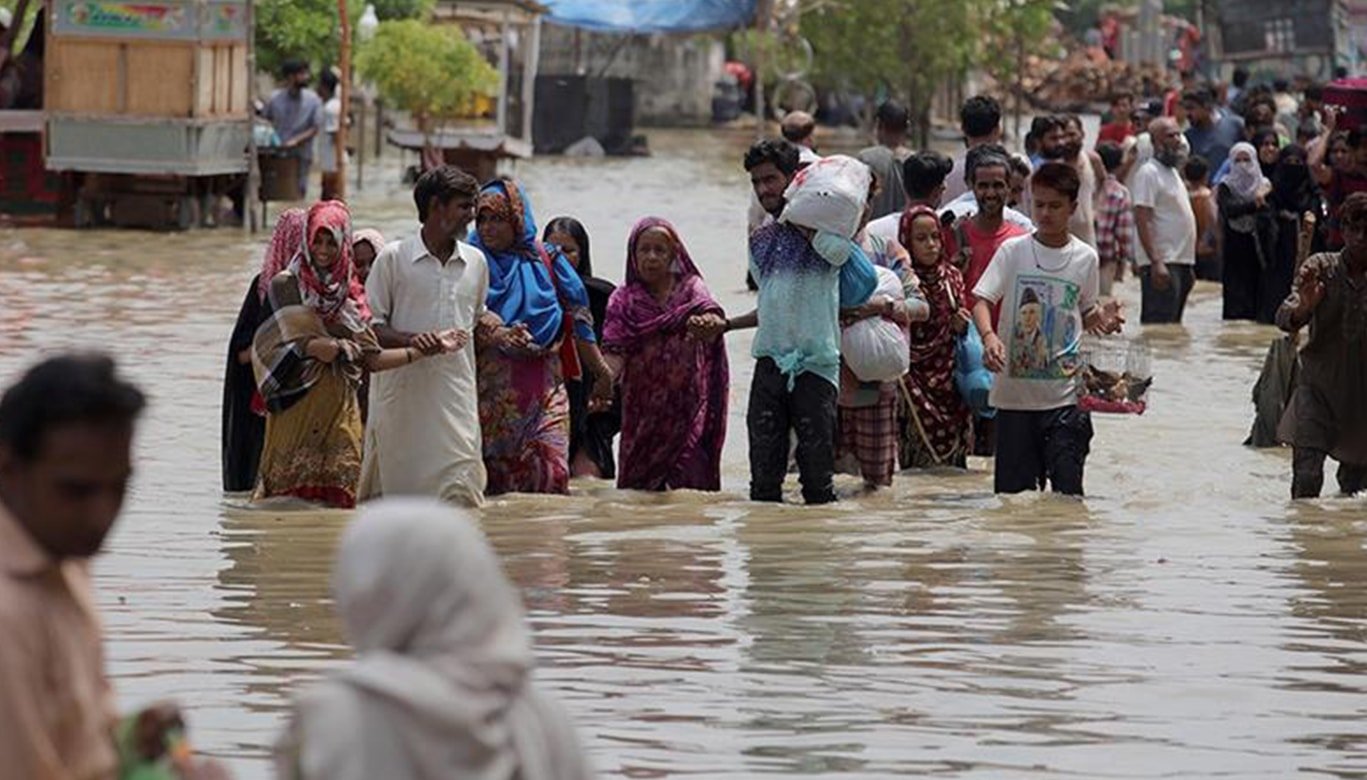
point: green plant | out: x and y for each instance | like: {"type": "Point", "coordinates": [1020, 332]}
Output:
{"type": "Point", "coordinates": [432, 72]}
{"type": "Point", "coordinates": [907, 48]}
{"type": "Point", "coordinates": [309, 29]}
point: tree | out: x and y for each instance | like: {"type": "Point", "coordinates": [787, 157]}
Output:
{"type": "Point", "coordinates": [310, 30]}
{"type": "Point", "coordinates": [1017, 29]}
{"type": "Point", "coordinates": [910, 48]}
{"type": "Point", "coordinates": [906, 47]}
{"type": "Point", "coordinates": [432, 72]}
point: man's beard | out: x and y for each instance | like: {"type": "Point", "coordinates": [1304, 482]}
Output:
{"type": "Point", "coordinates": [1170, 157]}
{"type": "Point", "coordinates": [1071, 151]}
{"type": "Point", "coordinates": [1052, 153]}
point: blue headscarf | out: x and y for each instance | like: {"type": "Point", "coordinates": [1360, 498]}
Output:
{"type": "Point", "coordinates": [520, 285]}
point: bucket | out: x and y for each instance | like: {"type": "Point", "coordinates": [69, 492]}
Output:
{"type": "Point", "coordinates": [279, 174]}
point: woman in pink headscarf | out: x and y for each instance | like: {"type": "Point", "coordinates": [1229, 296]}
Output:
{"type": "Point", "coordinates": [674, 386]}
{"type": "Point", "coordinates": [308, 357]}
{"type": "Point", "coordinates": [244, 414]}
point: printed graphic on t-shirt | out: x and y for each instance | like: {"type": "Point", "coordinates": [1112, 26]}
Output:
{"type": "Point", "coordinates": [1044, 337]}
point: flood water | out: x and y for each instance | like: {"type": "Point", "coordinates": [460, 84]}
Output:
{"type": "Point", "coordinates": [1185, 620]}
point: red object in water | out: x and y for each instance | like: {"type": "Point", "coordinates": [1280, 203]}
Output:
{"type": "Point", "coordinates": [1091, 403]}
{"type": "Point", "coordinates": [1351, 95]}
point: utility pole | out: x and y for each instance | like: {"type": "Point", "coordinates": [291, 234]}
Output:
{"type": "Point", "coordinates": [344, 97]}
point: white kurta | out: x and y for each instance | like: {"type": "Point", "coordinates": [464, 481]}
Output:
{"type": "Point", "coordinates": [423, 435]}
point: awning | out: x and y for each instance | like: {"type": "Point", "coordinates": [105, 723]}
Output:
{"type": "Point", "coordinates": [652, 16]}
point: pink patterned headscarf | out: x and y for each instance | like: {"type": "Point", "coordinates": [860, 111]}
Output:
{"type": "Point", "coordinates": [286, 242]}
{"type": "Point", "coordinates": [335, 293]}
{"type": "Point", "coordinates": [633, 313]}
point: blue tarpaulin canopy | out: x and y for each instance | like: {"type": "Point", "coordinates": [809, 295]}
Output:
{"type": "Point", "coordinates": [651, 16]}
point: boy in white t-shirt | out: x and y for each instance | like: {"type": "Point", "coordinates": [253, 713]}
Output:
{"type": "Point", "coordinates": [1047, 284]}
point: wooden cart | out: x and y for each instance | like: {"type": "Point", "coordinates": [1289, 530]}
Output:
{"type": "Point", "coordinates": [151, 102]}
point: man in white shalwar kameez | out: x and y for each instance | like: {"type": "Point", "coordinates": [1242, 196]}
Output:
{"type": "Point", "coordinates": [423, 435]}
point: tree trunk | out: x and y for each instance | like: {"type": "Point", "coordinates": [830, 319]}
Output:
{"type": "Point", "coordinates": [1020, 86]}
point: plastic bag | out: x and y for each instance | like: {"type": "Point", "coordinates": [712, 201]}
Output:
{"type": "Point", "coordinates": [828, 195]}
{"type": "Point", "coordinates": [1115, 376]}
{"type": "Point", "coordinates": [876, 349]}
{"type": "Point", "coordinates": [971, 377]}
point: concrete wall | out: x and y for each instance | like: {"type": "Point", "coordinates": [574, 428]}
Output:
{"type": "Point", "coordinates": [673, 74]}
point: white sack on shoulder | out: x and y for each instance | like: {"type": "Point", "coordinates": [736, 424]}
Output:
{"type": "Point", "coordinates": [829, 195]}
{"type": "Point", "coordinates": [876, 349]}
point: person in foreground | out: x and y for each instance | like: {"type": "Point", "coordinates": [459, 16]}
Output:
{"type": "Point", "coordinates": [66, 439]}
{"type": "Point", "coordinates": [442, 686]}
{"type": "Point", "coordinates": [1326, 416]}
{"type": "Point", "coordinates": [797, 346]}
{"type": "Point", "coordinates": [423, 436]}
{"type": "Point", "coordinates": [674, 384]}
{"type": "Point", "coordinates": [309, 357]}
{"type": "Point", "coordinates": [1048, 284]}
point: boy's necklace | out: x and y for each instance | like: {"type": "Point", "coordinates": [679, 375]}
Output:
{"type": "Point", "coordinates": [1034, 250]}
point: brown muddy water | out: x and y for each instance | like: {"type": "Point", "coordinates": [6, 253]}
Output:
{"type": "Point", "coordinates": [1186, 620]}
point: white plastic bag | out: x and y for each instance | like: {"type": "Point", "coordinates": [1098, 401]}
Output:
{"type": "Point", "coordinates": [876, 349]}
{"type": "Point", "coordinates": [828, 195]}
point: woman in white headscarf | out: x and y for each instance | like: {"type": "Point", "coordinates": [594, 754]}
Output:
{"type": "Point", "coordinates": [1247, 237]}
{"type": "Point", "coordinates": [442, 687]}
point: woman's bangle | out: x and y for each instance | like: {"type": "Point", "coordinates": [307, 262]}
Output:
{"type": "Point", "coordinates": [408, 351]}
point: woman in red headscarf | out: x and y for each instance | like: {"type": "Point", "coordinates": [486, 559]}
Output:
{"type": "Point", "coordinates": [309, 356]}
{"type": "Point", "coordinates": [936, 430]}
{"type": "Point", "coordinates": [674, 386]}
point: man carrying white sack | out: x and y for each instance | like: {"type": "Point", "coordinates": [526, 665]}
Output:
{"type": "Point", "coordinates": [808, 269]}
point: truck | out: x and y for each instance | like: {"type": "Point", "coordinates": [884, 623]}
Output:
{"type": "Point", "coordinates": [146, 111]}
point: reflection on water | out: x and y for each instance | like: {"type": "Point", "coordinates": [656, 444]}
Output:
{"type": "Point", "coordinates": [1183, 621]}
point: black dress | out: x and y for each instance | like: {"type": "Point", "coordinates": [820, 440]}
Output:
{"type": "Point", "coordinates": [244, 431]}
{"type": "Point", "coordinates": [1281, 271]}
{"type": "Point", "coordinates": [593, 433]}
{"type": "Point", "coordinates": [1249, 238]}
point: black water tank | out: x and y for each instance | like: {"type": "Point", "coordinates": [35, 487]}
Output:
{"type": "Point", "coordinates": [569, 108]}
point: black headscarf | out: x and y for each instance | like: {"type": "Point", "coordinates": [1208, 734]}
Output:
{"type": "Point", "coordinates": [1259, 138]}
{"type": "Point", "coordinates": [1292, 188]}
{"type": "Point", "coordinates": [600, 290]}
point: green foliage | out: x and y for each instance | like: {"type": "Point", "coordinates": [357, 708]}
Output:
{"type": "Point", "coordinates": [908, 47]}
{"type": "Point", "coordinates": [309, 29]}
{"type": "Point", "coordinates": [1017, 27]}
{"type": "Point", "coordinates": [402, 9]}
{"type": "Point", "coordinates": [432, 72]}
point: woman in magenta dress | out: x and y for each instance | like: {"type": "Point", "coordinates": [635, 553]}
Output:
{"type": "Point", "coordinates": [674, 385]}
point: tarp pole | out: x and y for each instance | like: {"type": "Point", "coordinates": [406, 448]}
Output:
{"type": "Point", "coordinates": [344, 98]}
{"type": "Point", "coordinates": [532, 63]}
{"type": "Point", "coordinates": [503, 57]}
{"type": "Point", "coordinates": [252, 197]}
